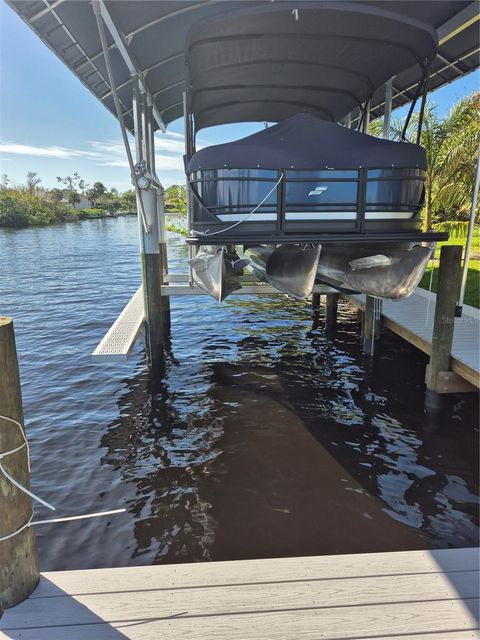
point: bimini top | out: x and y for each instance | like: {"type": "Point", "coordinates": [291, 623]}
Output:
{"type": "Point", "coordinates": [326, 58]}
{"type": "Point", "coordinates": [306, 142]}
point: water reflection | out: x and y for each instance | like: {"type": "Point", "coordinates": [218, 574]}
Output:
{"type": "Point", "coordinates": [277, 440]}
{"type": "Point", "coordinates": [163, 447]}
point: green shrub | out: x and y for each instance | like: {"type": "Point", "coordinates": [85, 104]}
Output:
{"type": "Point", "coordinates": [176, 229]}
{"type": "Point", "coordinates": [85, 214]}
{"type": "Point", "coordinates": [12, 212]}
{"type": "Point", "coordinates": [23, 209]}
{"type": "Point", "coordinates": [455, 228]}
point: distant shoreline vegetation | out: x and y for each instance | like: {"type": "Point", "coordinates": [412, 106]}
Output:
{"type": "Point", "coordinates": [30, 205]}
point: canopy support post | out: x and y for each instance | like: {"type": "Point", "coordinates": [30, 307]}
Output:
{"type": "Point", "coordinates": [188, 149]}
{"type": "Point", "coordinates": [372, 326]}
{"type": "Point", "coordinates": [422, 106]}
{"type": "Point", "coordinates": [387, 116]}
{"type": "Point", "coordinates": [162, 232]}
{"type": "Point", "coordinates": [372, 318]}
{"type": "Point", "coordinates": [468, 246]}
{"type": "Point", "coordinates": [156, 328]}
{"type": "Point", "coordinates": [365, 117]}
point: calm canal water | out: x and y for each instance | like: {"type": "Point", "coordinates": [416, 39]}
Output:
{"type": "Point", "coordinates": [264, 437]}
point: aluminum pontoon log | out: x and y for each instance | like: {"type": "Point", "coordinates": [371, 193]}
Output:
{"type": "Point", "coordinates": [419, 595]}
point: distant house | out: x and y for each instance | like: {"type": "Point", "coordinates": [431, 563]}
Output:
{"type": "Point", "coordinates": [83, 204]}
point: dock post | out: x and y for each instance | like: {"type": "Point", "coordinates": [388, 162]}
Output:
{"type": "Point", "coordinates": [372, 318]}
{"type": "Point", "coordinates": [449, 273]}
{"type": "Point", "coordinates": [151, 253]}
{"type": "Point", "coordinates": [152, 279]}
{"type": "Point", "coordinates": [162, 233]}
{"type": "Point", "coordinates": [315, 301]}
{"type": "Point", "coordinates": [331, 308]}
{"type": "Point", "coordinates": [18, 556]}
{"type": "Point", "coordinates": [372, 325]}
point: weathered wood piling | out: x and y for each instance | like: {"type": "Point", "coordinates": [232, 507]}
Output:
{"type": "Point", "coordinates": [331, 310]}
{"type": "Point", "coordinates": [18, 557]}
{"type": "Point", "coordinates": [448, 289]}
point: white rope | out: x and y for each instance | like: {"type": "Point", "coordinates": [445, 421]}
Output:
{"type": "Point", "coordinates": [15, 533]}
{"type": "Point", "coordinates": [30, 521]}
{"type": "Point", "coordinates": [216, 233]}
{"type": "Point", "coordinates": [81, 517]}
{"type": "Point", "coordinates": [8, 453]}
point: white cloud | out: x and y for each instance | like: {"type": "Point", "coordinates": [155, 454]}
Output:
{"type": "Point", "coordinates": [169, 150]}
{"type": "Point", "coordinates": [44, 152]}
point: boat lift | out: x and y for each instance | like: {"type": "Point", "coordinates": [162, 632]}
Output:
{"type": "Point", "coordinates": [145, 88]}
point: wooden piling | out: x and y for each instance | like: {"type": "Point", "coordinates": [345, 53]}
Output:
{"type": "Point", "coordinates": [153, 260]}
{"type": "Point", "coordinates": [18, 557]}
{"type": "Point", "coordinates": [372, 325]}
{"type": "Point", "coordinates": [315, 301]}
{"type": "Point", "coordinates": [152, 254]}
{"type": "Point", "coordinates": [448, 288]}
{"type": "Point", "coordinates": [331, 312]}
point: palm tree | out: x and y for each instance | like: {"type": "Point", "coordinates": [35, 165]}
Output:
{"type": "Point", "coordinates": [451, 145]}
{"type": "Point", "coordinates": [32, 181]}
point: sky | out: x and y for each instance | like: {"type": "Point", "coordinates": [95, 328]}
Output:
{"type": "Point", "coordinates": [50, 123]}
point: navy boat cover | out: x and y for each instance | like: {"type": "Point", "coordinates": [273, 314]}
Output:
{"type": "Point", "coordinates": [306, 142]}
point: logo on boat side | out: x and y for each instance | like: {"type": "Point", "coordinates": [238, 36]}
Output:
{"type": "Point", "coordinates": [318, 191]}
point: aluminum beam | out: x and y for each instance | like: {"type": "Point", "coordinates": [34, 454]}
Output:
{"type": "Point", "coordinates": [461, 21]}
{"type": "Point", "coordinates": [129, 60]}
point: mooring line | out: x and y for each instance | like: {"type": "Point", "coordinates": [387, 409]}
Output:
{"type": "Point", "coordinates": [209, 233]}
{"type": "Point", "coordinates": [81, 517]}
{"type": "Point", "coordinates": [8, 453]}
{"type": "Point", "coordinates": [30, 522]}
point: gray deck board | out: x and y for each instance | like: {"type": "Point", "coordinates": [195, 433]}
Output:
{"type": "Point", "coordinates": [414, 595]}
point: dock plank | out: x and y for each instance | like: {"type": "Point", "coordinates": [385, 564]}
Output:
{"type": "Point", "coordinates": [242, 599]}
{"type": "Point", "coordinates": [103, 631]}
{"type": "Point", "coordinates": [412, 319]}
{"type": "Point", "coordinates": [403, 594]}
{"type": "Point", "coordinates": [248, 572]}
{"type": "Point", "coordinates": [354, 623]}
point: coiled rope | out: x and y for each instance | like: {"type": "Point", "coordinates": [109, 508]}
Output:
{"type": "Point", "coordinates": [30, 521]}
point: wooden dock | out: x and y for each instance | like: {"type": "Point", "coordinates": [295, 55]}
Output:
{"type": "Point", "coordinates": [409, 595]}
{"type": "Point", "coordinates": [412, 319]}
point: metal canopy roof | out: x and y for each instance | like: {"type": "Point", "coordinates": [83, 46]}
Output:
{"type": "Point", "coordinates": [149, 38]}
